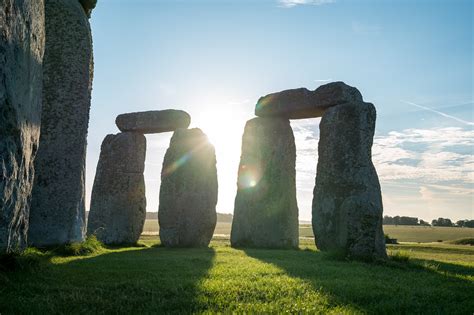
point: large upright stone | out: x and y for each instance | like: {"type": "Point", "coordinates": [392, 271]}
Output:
{"type": "Point", "coordinates": [302, 103]}
{"type": "Point", "coordinates": [347, 204]}
{"type": "Point", "coordinates": [266, 212]}
{"type": "Point", "coordinates": [188, 193]}
{"type": "Point", "coordinates": [118, 203]}
{"type": "Point", "coordinates": [21, 81]}
{"type": "Point", "coordinates": [154, 121]}
{"type": "Point", "coordinates": [57, 210]}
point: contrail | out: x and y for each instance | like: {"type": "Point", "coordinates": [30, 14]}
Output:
{"type": "Point", "coordinates": [469, 123]}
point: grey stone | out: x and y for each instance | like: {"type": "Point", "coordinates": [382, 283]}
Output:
{"type": "Point", "coordinates": [57, 209]}
{"type": "Point", "coordinates": [188, 193]}
{"type": "Point", "coordinates": [266, 212]}
{"type": "Point", "coordinates": [302, 103]}
{"type": "Point", "coordinates": [88, 6]}
{"type": "Point", "coordinates": [347, 203]}
{"type": "Point", "coordinates": [118, 203]}
{"type": "Point", "coordinates": [153, 121]}
{"type": "Point", "coordinates": [21, 80]}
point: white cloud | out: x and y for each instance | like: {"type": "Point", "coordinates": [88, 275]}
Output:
{"type": "Point", "coordinates": [428, 159]}
{"type": "Point", "coordinates": [430, 156]}
{"type": "Point", "coordinates": [423, 172]}
{"type": "Point", "coordinates": [323, 80]}
{"type": "Point", "coordinates": [293, 3]}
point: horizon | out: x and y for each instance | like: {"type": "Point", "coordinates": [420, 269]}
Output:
{"type": "Point", "coordinates": [215, 59]}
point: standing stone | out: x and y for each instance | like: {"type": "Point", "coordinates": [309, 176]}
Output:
{"type": "Point", "coordinates": [188, 194]}
{"type": "Point", "coordinates": [21, 80]}
{"type": "Point", "coordinates": [266, 212]}
{"type": "Point", "coordinates": [118, 203]}
{"type": "Point", "coordinates": [347, 203]}
{"type": "Point", "coordinates": [57, 210]}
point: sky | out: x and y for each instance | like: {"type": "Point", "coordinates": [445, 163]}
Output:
{"type": "Point", "coordinates": [412, 59]}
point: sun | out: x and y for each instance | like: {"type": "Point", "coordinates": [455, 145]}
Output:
{"type": "Point", "coordinates": [224, 128]}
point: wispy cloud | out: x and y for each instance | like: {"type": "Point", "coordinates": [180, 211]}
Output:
{"type": "Point", "coordinates": [440, 158]}
{"type": "Point", "coordinates": [294, 3]}
{"type": "Point", "coordinates": [469, 123]}
{"type": "Point", "coordinates": [322, 80]}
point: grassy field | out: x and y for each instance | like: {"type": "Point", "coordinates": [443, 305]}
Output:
{"type": "Point", "coordinates": [420, 234]}
{"type": "Point", "coordinates": [436, 279]}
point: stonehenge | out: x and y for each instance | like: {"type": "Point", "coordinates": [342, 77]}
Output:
{"type": "Point", "coordinates": [46, 70]}
{"type": "Point", "coordinates": [188, 193]}
{"type": "Point", "coordinates": [347, 204]}
{"type": "Point", "coordinates": [22, 39]}
{"type": "Point", "coordinates": [266, 212]}
{"type": "Point", "coordinates": [57, 213]}
{"type": "Point", "coordinates": [302, 103]}
{"type": "Point", "coordinates": [118, 204]}
{"type": "Point", "coordinates": [153, 121]}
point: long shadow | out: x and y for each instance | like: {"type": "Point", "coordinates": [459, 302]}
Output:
{"type": "Point", "coordinates": [138, 280]}
{"type": "Point", "coordinates": [412, 287]}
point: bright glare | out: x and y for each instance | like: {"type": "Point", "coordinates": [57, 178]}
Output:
{"type": "Point", "coordinates": [224, 127]}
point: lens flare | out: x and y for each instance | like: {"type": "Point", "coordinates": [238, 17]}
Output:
{"type": "Point", "coordinates": [183, 159]}
{"type": "Point", "coordinates": [177, 164]}
{"type": "Point", "coordinates": [249, 176]}
{"type": "Point", "coordinates": [262, 102]}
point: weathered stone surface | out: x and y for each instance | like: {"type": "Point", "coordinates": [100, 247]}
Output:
{"type": "Point", "coordinates": [155, 121]}
{"type": "Point", "coordinates": [57, 209]}
{"type": "Point", "coordinates": [266, 212]}
{"type": "Point", "coordinates": [188, 193]}
{"type": "Point", "coordinates": [347, 203]}
{"type": "Point", "coordinates": [302, 103]}
{"type": "Point", "coordinates": [118, 203]}
{"type": "Point", "coordinates": [88, 6]}
{"type": "Point", "coordinates": [21, 81]}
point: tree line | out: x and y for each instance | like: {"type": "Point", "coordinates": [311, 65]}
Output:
{"type": "Point", "coordinates": [403, 220]}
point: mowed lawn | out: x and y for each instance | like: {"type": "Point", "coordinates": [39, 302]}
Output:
{"type": "Point", "coordinates": [437, 279]}
{"type": "Point", "coordinates": [421, 234]}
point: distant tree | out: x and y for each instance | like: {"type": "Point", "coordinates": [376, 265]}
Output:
{"type": "Point", "coordinates": [442, 222]}
{"type": "Point", "coordinates": [465, 223]}
{"type": "Point", "coordinates": [388, 220]}
{"type": "Point", "coordinates": [424, 223]}
{"type": "Point", "coordinates": [408, 221]}
{"type": "Point", "coordinates": [398, 220]}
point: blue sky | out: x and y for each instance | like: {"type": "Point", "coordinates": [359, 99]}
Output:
{"type": "Point", "coordinates": [214, 59]}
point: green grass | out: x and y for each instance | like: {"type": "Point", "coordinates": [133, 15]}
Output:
{"type": "Point", "coordinates": [421, 234]}
{"type": "Point", "coordinates": [434, 279]}
{"type": "Point", "coordinates": [90, 246]}
{"type": "Point", "coordinates": [427, 234]}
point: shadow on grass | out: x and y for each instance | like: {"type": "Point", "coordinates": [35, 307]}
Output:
{"type": "Point", "coordinates": [411, 287]}
{"type": "Point", "coordinates": [444, 268]}
{"type": "Point", "coordinates": [133, 280]}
